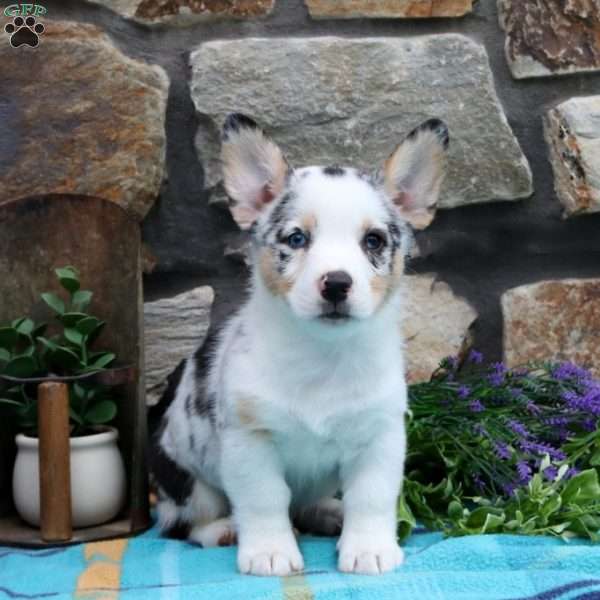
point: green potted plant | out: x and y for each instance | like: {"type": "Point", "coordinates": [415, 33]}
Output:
{"type": "Point", "coordinates": [28, 356]}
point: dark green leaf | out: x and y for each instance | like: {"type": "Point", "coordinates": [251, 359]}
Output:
{"type": "Point", "coordinates": [10, 402]}
{"type": "Point", "coordinates": [74, 416]}
{"type": "Point", "coordinates": [71, 284]}
{"type": "Point", "coordinates": [54, 302]}
{"type": "Point", "coordinates": [595, 459]}
{"type": "Point", "coordinates": [70, 319]}
{"type": "Point", "coordinates": [4, 355]}
{"type": "Point", "coordinates": [39, 330]}
{"type": "Point", "coordinates": [92, 337]}
{"type": "Point", "coordinates": [48, 344]}
{"type": "Point", "coordinates": [406, 519]}
{"type": "Point", "coordinates": [68, 279]}
{"type": "Point", "coordinates": [455, 510]}
{"type": "Point", "coordinates": [582, 488]}
{"type": "Point", "coordinates": [81, 300]}
{"type": "Point", "coordinates": [103, 360]}
{"type": "Point", "coordinates": [79, 391]}
{"type": "Point", "coordinates": [73, 336]}
{"type": "Point", "coordinates": [27, 415]}
{"type": "Point", "coordinates": [64, 359]}
{"type": "Point", "coordinates": [493, 522]}
{"type": "Point", "coordinates": [8, 337]}
{"type": "Point", "coordinates": [29, 351]}
{"type": "Point", "coordinates": [67, 271]}
{"type": "Point", "coordinates": [101, 412]}
{"type": "Point", "coordinates": [479, 517]}
{"type": "Point", "coordinates": [88, 325]}
{"type": "Point", "coordinates": [20, 366]}
{"type": "Point", "coordinates": [25, 326]}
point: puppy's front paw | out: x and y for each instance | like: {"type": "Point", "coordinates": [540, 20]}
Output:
{"type": "Point", "coordinates": [271, 556]}
{"type": "Point", "coordinates": [368, 556]}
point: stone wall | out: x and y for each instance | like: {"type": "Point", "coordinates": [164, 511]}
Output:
{"type": "Point", "coordinates": [124, 99]}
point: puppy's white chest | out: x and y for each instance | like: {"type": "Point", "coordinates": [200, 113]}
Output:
{"type": "Point", "coordinates": [310, 458]}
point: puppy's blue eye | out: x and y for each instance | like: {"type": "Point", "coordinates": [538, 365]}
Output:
{"type": "Point", "coordinates": [374, 242]}
{"type": "Point", "coordinates": [297, 240]}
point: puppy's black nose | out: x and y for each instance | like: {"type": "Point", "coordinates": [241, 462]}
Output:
{"type": "Point", "coordinates": [335, 286]}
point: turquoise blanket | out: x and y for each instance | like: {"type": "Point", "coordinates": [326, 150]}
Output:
{"type": "Point", "coordinates": [492, 567]}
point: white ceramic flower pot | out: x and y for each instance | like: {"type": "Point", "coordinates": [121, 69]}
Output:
{"type": "Point", "coordinates": [97, 479]}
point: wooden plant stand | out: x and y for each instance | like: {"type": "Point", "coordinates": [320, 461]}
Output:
{"type": "Point", "coordinates": [102, 241]}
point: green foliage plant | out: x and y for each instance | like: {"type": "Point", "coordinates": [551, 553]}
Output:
{"type": "Point", "coordinates": [499, 450]}
{"type": "Point", "coordinates": [27, 352]}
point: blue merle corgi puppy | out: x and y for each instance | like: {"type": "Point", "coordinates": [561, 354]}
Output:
{"type": "Point", "coordinates": [301, 399]}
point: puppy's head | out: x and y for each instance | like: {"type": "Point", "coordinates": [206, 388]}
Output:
{"type": "Point", "coordinates": [331, 241]}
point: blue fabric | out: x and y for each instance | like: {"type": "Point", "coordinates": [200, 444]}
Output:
{"type": "Point", "coordinates": [494, 567]}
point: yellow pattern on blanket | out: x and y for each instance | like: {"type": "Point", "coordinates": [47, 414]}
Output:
{"type": "Point", "coordinates": [101, 578]}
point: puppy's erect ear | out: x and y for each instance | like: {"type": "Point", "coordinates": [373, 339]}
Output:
{"type": "Point", "coordinates": [254, 169]}
{"type": "Point", "coordinates": [413, 174]}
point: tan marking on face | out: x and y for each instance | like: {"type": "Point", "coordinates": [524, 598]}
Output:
{"type": "Point", "coordinates": [309, 223]}
{"type": "Point", "coordinates": [380, 285]}
{"type": "Point", "coordinates": [276, 283]}
{"type": "Point", "coordinates": [383, 285]}
{"type": "Point", "coordinates": [397, 269]}
{"type": "Point", "coordinates": [366, 225]}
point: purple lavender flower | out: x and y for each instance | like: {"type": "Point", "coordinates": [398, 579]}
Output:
{"type": "Point", "coordinates": [560, 431]}
{"type": "Point", "coordinates": [567, 370]}
{"type": "Point", "coordinates": [532, 408]}
{"type": "Point", "coordinates": [475, 357]}
{"type": "Point", "coordinates": [556, 421]}
{"type": "Point", "coordinates": [588, 403]}
{"type": "Point", "coordinates": [496, 379]}
{"type": "Point", "coordinates": [589, 424]}
{"type": "Point", "coordinates": [502, 450]}
{"type": "Point", "coordinates": [463, 392]}
{"type": "Point", "coordinates": [572, 399]}
{"type": "Point", "coordinates": [550, 472]}
{"type": "Point", "coordinates": [518, 428]}
{"type": "Point", "coordinates": [479, 483]}
{"type": "Point", "coordinates": [571, 472]}
{"type": "Point", "coordinates": [509, 488]}
{"type": "Point", "coordinates": [476, 406]}
{"type": "Point", "coordinates": [541, 448]}
{"type": "Point", "coordinates": [524, 472]}
{"type": "Point", "coordinates": [556, 454]}
{"type": "Point", "coordinates": [500, 367]}
{"type": "Point", "coordinates": [591, 401]}
{"type": "Point", "coordinates": [498, 374]}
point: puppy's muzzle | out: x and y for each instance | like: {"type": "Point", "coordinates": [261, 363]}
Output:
{"type": "Point", "coordinates": [335, 286]}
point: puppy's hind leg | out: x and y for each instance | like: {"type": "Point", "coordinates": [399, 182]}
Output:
{"type": "Point", "coordinates": [209, 515]}
{"type": "Point", "coordinates": [221, 532]}
{"type": "Point", "coordinates": [202, 517]}
{"type": "Point", "coordinates": [323, 518]}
